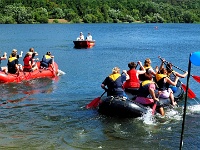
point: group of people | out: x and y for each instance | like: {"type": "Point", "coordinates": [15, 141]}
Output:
{"type": "Point", "coordinates": [13, 66]}
{"type": "Point", "coordinates": [81, 37]}
{"type": "Point", "coordinates": [151, 84]}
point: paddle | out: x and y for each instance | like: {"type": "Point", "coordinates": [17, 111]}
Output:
{"type": "Point", "coordinates": [197, 78]}
{"type": "Point", "coordinates": [95, 102]}
{"type": "Point", "coordinates": [191, 94]}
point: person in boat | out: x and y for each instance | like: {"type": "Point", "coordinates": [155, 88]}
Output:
{"type": "Point", "coordinates": [13, 64]}
{"type": "Point", "coordinates": [146, 94]}
{"type": "Point", "coordinates": [3, 69]}
{"type": "Point", "coordinates": [33, 55]}
{"type": "Point", "coordinates": [81, 37]}
{"type": "Point", "coordinates": [133, 81]}
{"type": "Point", "coordinates": [163, 82]}
{"type": "Point", "coordinates": [89, 37]}
{"type": "Point", "coordinates": [114, 83]}
{"type": "Point", "coordinates": [47, 60]}
{"type": "Point", "coordinates": [15, 51]}
{"type": "Point", "coordinates": [172, 75]}
{"type": "Point", "coordinates": [149, 70]}
{"type": "Point", "coordinates": [28, 63]}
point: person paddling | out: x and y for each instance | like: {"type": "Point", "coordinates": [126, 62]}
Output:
{"type": "Point", "coordinates": [28, 63]}
{"type": "Point", "coordinates": [147, 96]}
{"type": "Point", "coordinates": [133, 81]}
{"type": "Point", "coordinates": [114, 83]}
{"type": "Point", "coordinates": [4, 69]}
{"type": "Point", "coordinates": [47, 61]}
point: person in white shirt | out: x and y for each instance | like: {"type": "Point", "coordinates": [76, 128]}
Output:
{"type": "Point", "coordinates": [89, 37]}
{"type": "Point", "coordinates": [81, 37]}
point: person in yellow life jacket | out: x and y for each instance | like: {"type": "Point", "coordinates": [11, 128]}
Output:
{"type": "Point", "coordinates": [149, 70]}
{"type": "Point", "coordinates": [163, 83]}
{"type": "Point", "coordinates": [114, 83]}
{"type": "Point", "coordinates": [133, 81]}
{"type": "Point", "coordinates": [12, 64]}
{"type": "Point", "coordinates": [28, 63]}
{"type": "Point", "coordinates": [147, 96]}
{"type": "Point", "coordinates": [47, 60]}
{"type": "Point", "coordinates": [15, 52]}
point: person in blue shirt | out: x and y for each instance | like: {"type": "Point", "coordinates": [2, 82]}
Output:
{"type": "Point", "coordinates": [47, 60]}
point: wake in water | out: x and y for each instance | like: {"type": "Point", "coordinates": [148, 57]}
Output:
{"type": "Point", "coordinates": [60, 72]}
{"type": "Point", "coordinates": [170, 114]}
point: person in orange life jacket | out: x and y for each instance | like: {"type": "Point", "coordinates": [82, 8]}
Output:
{"type": "Point", "coordinates": [134, 81]}
{"type": "Point", "coordinates": [147, 96]}
{"type": "Point", "coordinates": [114, 83]}
{"type": "Point", "coordinates": [4, 69]}
{"type": "Point", "coordinates": [163, 83]}
{"type": "Point", "coordinates": [172, 74]}
{"type": "Point", "coordinates": [28, 63]}
{"type": "Point", "coordinates": [47, 60]}
{"type": "Point", "coordinates": [13, 64]}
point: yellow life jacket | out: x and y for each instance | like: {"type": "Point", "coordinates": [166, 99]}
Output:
{"type": "Point", "coordinates": [12, 59]}
{"type": "Point", "coordinates": [160, 76]}
{"type": "Point", "coordinates": [146, 82]}
{"type": "Point", "coordinates": [114, 76]}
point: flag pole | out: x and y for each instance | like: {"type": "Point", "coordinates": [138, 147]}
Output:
{"type": "Point", "coordinates": [185, 104]}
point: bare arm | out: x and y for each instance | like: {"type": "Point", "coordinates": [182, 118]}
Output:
{"type": "Point", "coordinates": [4, 56]}
{"type": "Point", "coordinates": [181, 75]}
{"type": "Point", "coordinates": [172, 82]}
{"type": "Point", "coordinates": [21, 54]}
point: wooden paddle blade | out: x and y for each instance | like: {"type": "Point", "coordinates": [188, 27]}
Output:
{"type": "Point", "coordinates": [197, 78]}
{"type": "Point", "coordinates": [94, 103]}
{"type": "Point", "coordinates": [190, 92]}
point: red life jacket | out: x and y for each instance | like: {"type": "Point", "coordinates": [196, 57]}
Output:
{"type": "Point", "coordinates": [26, 62]}
{"type": "Point", "coordinates": [133, 82]}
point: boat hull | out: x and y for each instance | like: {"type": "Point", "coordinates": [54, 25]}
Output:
{"type": "Point", "coordinates": [40, 73]}
{"type": "Point", "coordinates": [126, 108]}
{"type": "Point", "coordinates": [84, 44]}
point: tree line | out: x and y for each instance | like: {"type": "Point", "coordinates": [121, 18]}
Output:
{"type": "Point", "coordinates": [99, 11]}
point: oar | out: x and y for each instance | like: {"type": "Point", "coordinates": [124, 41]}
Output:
{"type": "Point", "coordinates": [191, 94]}
{"type": "Point", "coordinates": [197, 78]}
{"type": "Point", "coordinates": [95, 102]}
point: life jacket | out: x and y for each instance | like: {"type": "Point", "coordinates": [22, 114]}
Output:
{"type": "Point", "coordinates": [142, 77]}
{"type": "Point", "coordinates": [45, 61]}
{"type": "Point", "coordinates": [114, 85]}
{"type": "Point", "coordinates": [26, 62]}
{"type": "Point", "coordinates": [11, 65]}
{"type": "Point", "coordinates": [144, 88]}
{"type": "Point", "coordinates": [160, 82]}
{"type": "Point", "coordinates": [133, 82]}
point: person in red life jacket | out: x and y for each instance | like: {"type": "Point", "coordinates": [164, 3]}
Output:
{"type": "Point", "coordinates": [28, 63]}
{"type": "Point", "coordinates": [114, 83]}
{"type": "Point", "coordinates": [47, 61]}
{"type": "Point", "coordinates": [163, 83]}
{"type": "Point", "coordinates": [133, 81]}
{"type": "Point", "coordinates": [149, 70]}
{"type": "Point", "coordinates": [147, 96]}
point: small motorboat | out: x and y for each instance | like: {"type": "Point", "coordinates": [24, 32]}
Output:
{"type": "Point", "coordinates": [84, 44]}
{"type": "Point", "coordinates": [126, 108]}
{"type": "Point", "coordinates": [49, 72]}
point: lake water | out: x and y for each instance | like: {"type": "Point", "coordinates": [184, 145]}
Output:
{"type": "Point", "coordinates": [50, 114]}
